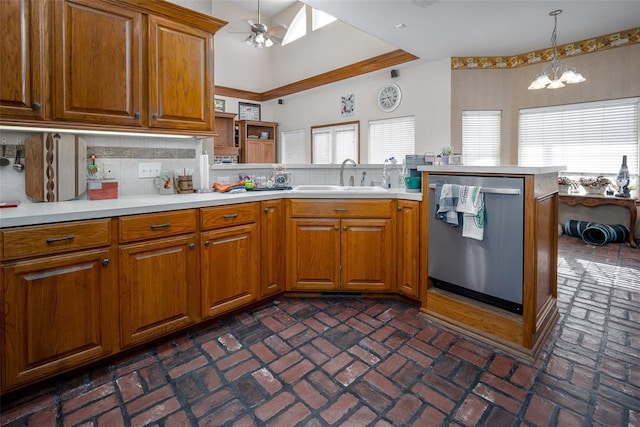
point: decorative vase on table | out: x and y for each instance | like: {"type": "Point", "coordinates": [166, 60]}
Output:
{"type": "Point", "coordinates": [623, 179]}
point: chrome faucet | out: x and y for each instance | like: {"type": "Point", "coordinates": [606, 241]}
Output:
{"type": "Point", "coordinates": [342, 171]}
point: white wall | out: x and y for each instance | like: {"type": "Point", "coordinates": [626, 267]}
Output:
{"type": "Point", "coordinates": [426, 94]}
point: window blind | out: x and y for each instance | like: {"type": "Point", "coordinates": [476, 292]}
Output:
{"type": "Point", "coordinates": [391, 138]}
{"type": "Point", "coordinates": [293, 147]}
{"type": "Point", "coordinates": [481, 137]}
{"type": "Point", "coordinates": [333, 144]}
{"type": "Point", "coordinates": [589, 138]}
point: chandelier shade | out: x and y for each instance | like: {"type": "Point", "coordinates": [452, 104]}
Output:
{"type": "Point", "coordinates": [556, 74]}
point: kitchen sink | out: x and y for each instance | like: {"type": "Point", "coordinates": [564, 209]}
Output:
{"type": "Point", "coordinates": [364, 189]}
{"type": "Point", "coordinates": [314, 187]}
{"type": "Point", "coordinates": [317, 188]}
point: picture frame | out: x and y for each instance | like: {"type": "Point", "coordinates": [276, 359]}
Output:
{"type": "Point", "coordinates": [219, 105]}
{"type": "Point", "coordinates": [347, 105]}
{"type": "Point", "coordinates": [248, 111]}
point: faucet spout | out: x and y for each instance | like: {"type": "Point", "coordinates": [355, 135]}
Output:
{"type": "Point", "coordinates": [342, 170]}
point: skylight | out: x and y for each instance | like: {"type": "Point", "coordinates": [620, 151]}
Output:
{"type": "Point", "coordinates": [320, 19]}
{"type": "Point", "coordinates": [298, 27]}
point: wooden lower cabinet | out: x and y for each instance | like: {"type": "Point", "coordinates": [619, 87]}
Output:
{"type": "Point", "coordinates": [230, 268]}
{"type": "Point", "coordinates": [408, 248]}
{"type": "Point", "coordinates": [58, 313]}
{"type": "Point", "coordinates": [159, 288]}
{"type": "Point", "coordinates": [272, 230]}
{"type": "Point", "coordinates": [340, 254]}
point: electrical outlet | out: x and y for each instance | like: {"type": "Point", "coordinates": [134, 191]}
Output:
{"type": "Point", "coordinates": [149, 170]}
{"type": "Point", "coordinates": [111, 169]}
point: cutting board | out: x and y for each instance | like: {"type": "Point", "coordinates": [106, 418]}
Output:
{"type": "Point", "coordinates": [55, 167]}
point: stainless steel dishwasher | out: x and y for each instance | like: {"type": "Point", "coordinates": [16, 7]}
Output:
{"type": "Point", "coordinates": [490, 270]}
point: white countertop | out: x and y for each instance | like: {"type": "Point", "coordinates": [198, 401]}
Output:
{"type": "Point", "coordinates": [28, 213]}
{"type": "Point", "coordinates": [506, 169]}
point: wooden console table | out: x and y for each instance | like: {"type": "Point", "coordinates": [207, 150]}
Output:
{"type": "Point", "coordinates": [600, 200]}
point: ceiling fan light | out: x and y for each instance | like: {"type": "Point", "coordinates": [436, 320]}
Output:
{"type": "Point", "coordinates": [267, 41]}
{"type": "Point", "coordinates": [556, 84]}
{"type": "Point", "coordinates": [250, 40]}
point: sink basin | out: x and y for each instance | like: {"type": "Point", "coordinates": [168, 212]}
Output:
{"type": "Point", "coordinates": [364, 189]}
{"type": "Point", "coordinates": [327, 187]}
{"type": "Point", "coordinates": [317, 188]}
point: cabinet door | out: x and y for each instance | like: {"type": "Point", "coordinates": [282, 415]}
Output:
{"type": "Point", "coordinates": [313, 258]}
{"type": "Point", "coordinates": [58, 313]}
{"type": "Point", "coordinates": [24, 58]}
{"type": "Point", "coordinates": [407, 256]}
{"type": "Point", "coordinates": [272, 229]}
{"type": "Point", "coordinates": [97, 72]}
{"type": "Point", "coordinates": [180, 76]}
{"type": "Point", "coordinates": [230, 268]}
{"type": "Point", "coordinates": [159, 288]}
{"type": "Point", "coordinates": [367, 254]}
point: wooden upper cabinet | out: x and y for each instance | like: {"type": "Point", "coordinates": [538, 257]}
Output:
{"type": "Point", "coordinates": [97, 66]}
{"type": "Point", "coordinates": [180, 76]}
{"type": "Point", "coordinates": [23, 47]}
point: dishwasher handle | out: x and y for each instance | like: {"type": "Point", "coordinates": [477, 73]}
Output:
{"type": "Point", "coordinates": [490, 190]}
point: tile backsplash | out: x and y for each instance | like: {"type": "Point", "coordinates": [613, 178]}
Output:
{"type": "Point", "coordinates": [122, 155]}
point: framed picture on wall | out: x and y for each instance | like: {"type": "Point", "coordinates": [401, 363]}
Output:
{"type": "Point", "coordinates": [247, 111]}
{"type": "Point", "coordinates": [219, 105]}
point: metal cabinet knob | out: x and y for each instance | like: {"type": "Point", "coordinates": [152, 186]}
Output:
{"type": "Point", "coordinates": [192, 245]}
{"type": "Point", "coordinates": [35, 106]}
{"type": "Point", "coordinates": [207, 243]}
{"type": "Point", "coordinates": [155, 116]}
{"type": "Point", "coordinates": [136, 115]}
{"type": "Point", "coordinates": [336, 228]}
{"type": "Point", "coordinates": [344, 228]}
{"type": "Point", "coordinates": [105, 262]}
{"type": "Point", "coordinates": [266, 210]}
{"type": "Point", "coordinates": [399, 209]}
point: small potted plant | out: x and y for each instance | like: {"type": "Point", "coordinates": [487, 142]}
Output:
{"type": "Point", "coordinates": [446, 153]}
{"type": "Point", "coordinates": [566, 184]}
{"type": "Point", "coordinates": [595, 185]}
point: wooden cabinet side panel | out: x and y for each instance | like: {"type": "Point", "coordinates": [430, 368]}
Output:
{"type": "Point", "coordinates": [272, 229]}
{"type": "Point", "coordinates": [98, 66]}
{"type": "Point", "coordinates": [180, 76]}
{"type": "Point", "coordinates": [230, 268]}
{"type": "Point", "coordinates": [159, 284]}
{"type": "Point", "coordinates": [313, 262]}
{"type": "Point", "coordinates": [59, 313]}
{"type": "Point", "coordinates": [408, 242]}
{"type": "Point", "coordinates": [547, 256]}
{"type": "Point", "coordinates": [367, 254]}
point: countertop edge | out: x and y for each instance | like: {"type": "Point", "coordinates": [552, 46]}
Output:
{"type": "Point", "coordinates": [507, 169]}
{"type": "Point", "coordinates": [30, 213]}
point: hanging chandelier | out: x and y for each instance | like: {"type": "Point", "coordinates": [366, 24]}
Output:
{"type": "Point", "coordinates": [556, 74]}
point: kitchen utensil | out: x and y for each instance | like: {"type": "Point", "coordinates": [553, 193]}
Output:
{"type": "Point", "coordinates": [17, 164]}
{"type": "Point", "coordinates": [3, 160]}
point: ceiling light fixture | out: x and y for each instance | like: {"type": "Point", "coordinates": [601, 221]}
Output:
{"type": "Point", "coordinates": [258, 37]}
{"type": "Point", "coordinates": [556, 68]}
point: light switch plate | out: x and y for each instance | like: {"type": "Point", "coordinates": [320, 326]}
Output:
{"type": "Point", "coordinates": [149, 170]}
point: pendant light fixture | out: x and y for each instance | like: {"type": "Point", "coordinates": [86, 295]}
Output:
{"type": "Point", "coordinates": [556, 74]}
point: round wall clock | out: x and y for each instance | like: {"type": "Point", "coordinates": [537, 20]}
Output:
{"type": "Point", "coordinates": [389, 97]}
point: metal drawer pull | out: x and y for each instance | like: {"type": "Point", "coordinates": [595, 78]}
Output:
{"type": "Point", "coordinates": [60, 239]}
{"type": "Point", "coordinates": [230, 216]}
{"type": "Point", "coordinates": [489, 190]}
{"type": "Point", "coordinates": [156, 226]}
{"type": "Point", "coordinates": [340, 209]}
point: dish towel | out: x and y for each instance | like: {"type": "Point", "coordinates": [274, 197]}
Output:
{"type": "Point", "coordinates": [447, 204]}
{"type": "Point", "coordinates": [471, 204]}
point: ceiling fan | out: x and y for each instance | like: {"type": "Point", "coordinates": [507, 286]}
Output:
{"type": "Point", "coordinates": [261, 35]}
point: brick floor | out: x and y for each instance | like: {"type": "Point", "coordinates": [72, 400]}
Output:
{"type": "Point", "coordinates": [353, 361]}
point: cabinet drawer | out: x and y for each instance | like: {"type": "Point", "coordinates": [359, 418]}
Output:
{"type": "Point", "coordinates": [55, 238]}
{"type": "Point", "coordinates": [342, 209]}
{"type": "Point", "coordinates": [226, 216]}
{"type": "Point", "coordinates": [161, 224]}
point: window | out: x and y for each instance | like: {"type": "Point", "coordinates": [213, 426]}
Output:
{"type": "Point", "coordinates": [391, 138]}
{"type": "Point", "coordinates": [320, 19]}
{"type": "Point", "coordinates": [481, 138]}
{"type": "Point", "coordinates": [298, 27]}
{"type": "Point", "coordinates": [589, 138]}
{"type": "Point", "coordinates": [293, 148]}
{"type": "Point", "coordinates": [334, 143]}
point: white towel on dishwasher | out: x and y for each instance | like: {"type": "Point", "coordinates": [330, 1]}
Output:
{"type": "Point", "coordinates": [471, 204]}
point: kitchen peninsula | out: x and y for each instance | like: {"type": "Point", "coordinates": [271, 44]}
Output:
{"type": "Point", "coordinates": [522, 234]}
